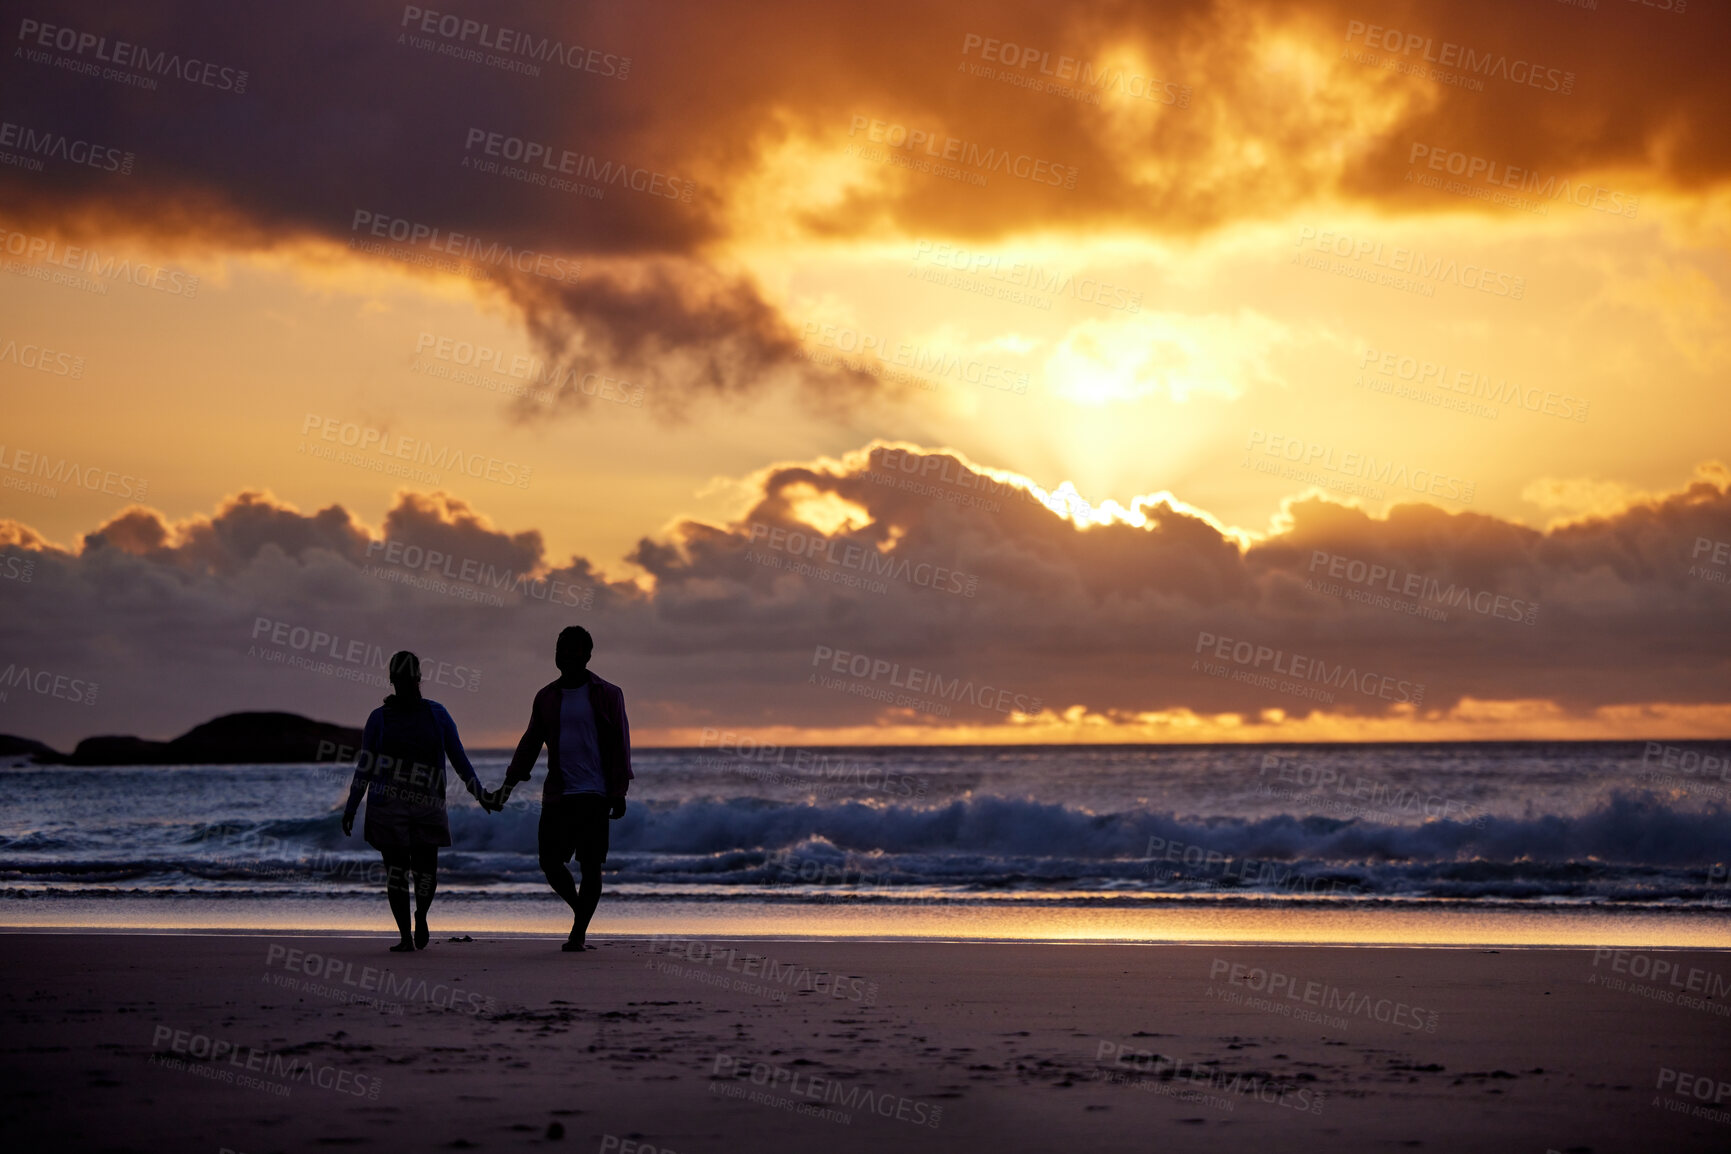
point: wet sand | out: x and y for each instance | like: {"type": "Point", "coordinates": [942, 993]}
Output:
{"type": "Point", "coordinates": [275, 1042]}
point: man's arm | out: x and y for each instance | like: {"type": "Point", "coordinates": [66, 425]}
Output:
{"type": "Point", "coordinates": [616, 800]}
{"type": "Point", "coordinates": [624, 745]}
{"type": "Point", "coordinates": [528, 748]}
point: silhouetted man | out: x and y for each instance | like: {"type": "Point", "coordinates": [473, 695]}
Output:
{"type": "Point", "coordinates": [581, 720]}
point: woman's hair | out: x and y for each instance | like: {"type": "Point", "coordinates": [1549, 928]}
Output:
{"type": "Point", "coordinates": [405, 678]}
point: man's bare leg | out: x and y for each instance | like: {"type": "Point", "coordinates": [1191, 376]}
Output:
{"type": "Point", "coordinates": [583, 909]}
{"type": "Point", "coordinates": [581, 900]}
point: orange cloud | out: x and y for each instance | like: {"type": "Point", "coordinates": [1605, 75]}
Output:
{"type": "Point", "coordinates": [1162, 120]}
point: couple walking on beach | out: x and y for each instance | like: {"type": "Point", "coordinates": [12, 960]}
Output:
{"type": "Point", "coordinates": [400, 770]}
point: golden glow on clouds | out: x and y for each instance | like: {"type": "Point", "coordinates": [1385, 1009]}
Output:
{"type": "Point", "coordinates": [825, 512]}
{"type": "Point", "coordinates": [797, 181]}
{"type": "Point", "coordinates": [1572, 497]}
{"type": "Point", "coordinates": [1163, 353]}
{"type": "Point", "coordinates": [1575, 499]}
{"type": "Point", "coordinates": [1472, 720]}
{"type": "Point", "coordinates": [1291, 122]}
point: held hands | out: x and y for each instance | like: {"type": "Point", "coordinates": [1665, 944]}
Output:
{"type": "Point", "coordinates": [494, 801]}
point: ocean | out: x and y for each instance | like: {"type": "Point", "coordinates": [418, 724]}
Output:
{"type": "Point", "coordinates": [1470, 844]}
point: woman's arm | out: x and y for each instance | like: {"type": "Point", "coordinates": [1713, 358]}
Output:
{"type": "Point", "coordinates": [365, 761]}
{"type": "Point", "coordinates": [454, 749]}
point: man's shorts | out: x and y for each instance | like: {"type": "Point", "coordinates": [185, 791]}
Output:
{"type": "Point", "coordinates": [574, 825]}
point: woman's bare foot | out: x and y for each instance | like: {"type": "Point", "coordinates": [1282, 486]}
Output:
{"type": "Point", "coordinates": [406, 946]}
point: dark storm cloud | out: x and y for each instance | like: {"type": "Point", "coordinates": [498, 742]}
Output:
{"type": "Point", "coordinates": [1219, 113]}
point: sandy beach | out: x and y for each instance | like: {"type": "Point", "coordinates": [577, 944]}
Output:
{"type": "Point", "coordinates": [273, 1042]}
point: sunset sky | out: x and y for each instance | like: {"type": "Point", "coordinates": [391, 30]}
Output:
{"type": "Point", "coordinates": [1098, 353]}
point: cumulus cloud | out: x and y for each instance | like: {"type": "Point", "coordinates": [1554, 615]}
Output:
{"type": "Point", "coordinates": [917, 559]}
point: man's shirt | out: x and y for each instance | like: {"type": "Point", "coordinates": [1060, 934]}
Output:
{"type": "Point", "coordinates": [579, 749]}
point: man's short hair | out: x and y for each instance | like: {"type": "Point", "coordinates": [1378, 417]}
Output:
{"type": "Point", "coordinates": [575, 638]}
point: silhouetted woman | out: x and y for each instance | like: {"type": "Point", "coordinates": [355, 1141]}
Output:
{"type": "Point", "coordinates": [402, 766]}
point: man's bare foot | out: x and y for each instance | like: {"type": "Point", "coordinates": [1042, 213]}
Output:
{"type": "Point", "coordinates": [422, 934]}
{"type": "Point", "coordinates": [403, 947]}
